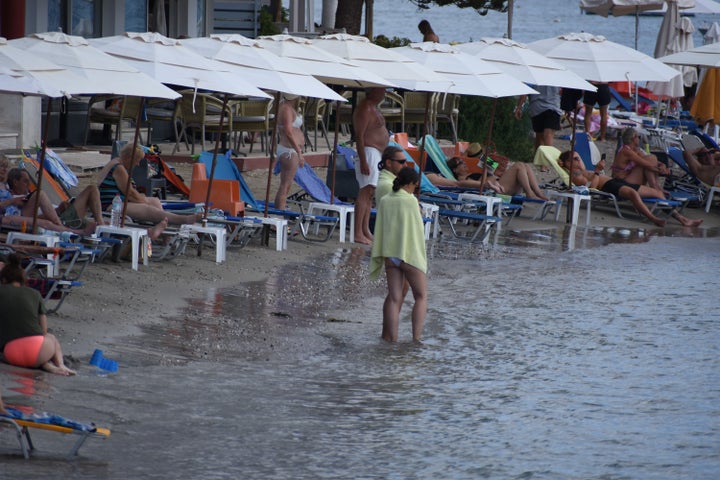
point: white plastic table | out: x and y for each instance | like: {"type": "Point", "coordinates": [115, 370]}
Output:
{"type": "Point", "coordinates": [575, 203]}
{"type": "Point", "coordinates": [346, 213]}
{"type": "Point", "coordinates": [138, 236]}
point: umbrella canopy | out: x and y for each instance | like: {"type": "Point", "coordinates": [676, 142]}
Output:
{"type": "Point", "coordinates": [324, 66]}
{"type": "Point", "coordinates": [167, 61]}
{"type": "Point", "coordinates": [469, 75]}
{"type": "Point", "coordinates": [32, 75]}
{"type": "Point", "coordinates": [706, 105]}
{"type": "Point", "coordinates": [259, 66]}
{"type": "Point", "coordinates": [389, 64]}
{"type": "Point", "coordinates": [704, 56]}
{"type": "Point", "coordinates": [713, 34]}
{"type": "Point", "coordinates": [628, 7]}
{"type": "Point", "coordinates": [106, 73]}
{"type": "Point", "coordinates": [701, 7]}
{"type": "Point", "coordinates": [527, 65]}
{"type": "Point", "coordinates": [597, 59]}
{"type": "Point", "coordinates": [675, 36]}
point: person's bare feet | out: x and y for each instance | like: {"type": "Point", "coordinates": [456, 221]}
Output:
{"type": "Point", "coordinates": [363, 240]}
{"type": "Point", "coordinates": [691, 223]}
{"type": "Point", "coordinates": [658, 221]}
{"type": "Point", "coordinates": [57, 370]}
{"type": "Point", "coordinates": [157, 230]}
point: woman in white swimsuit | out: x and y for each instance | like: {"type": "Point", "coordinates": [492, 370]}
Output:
{"type": "Point", "coordinates": [290, 143]}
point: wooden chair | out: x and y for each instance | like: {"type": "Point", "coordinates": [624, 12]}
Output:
{"type": "Point", "coordinates": [111, 111]}
{"type": "Point", "coordinates": [420, 108]}
{"type": "Point", "coordinates": [447, 111]}
{"type": "Point", "coordinates": [314, 117]}
{"type": "Point", "coordinates": [393, 109]}
{"type": "Point", "coordinates": [201, 112]}
{"type": "Point", "coordinates": [253, 116]}
{"type": "Point", "coordinates": [161, 110]}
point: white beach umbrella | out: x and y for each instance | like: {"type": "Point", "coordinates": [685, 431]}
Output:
{"type": "Point", "coordinates": [31, 74]}
{"type": "Point", "coordinates": [523, 63]}
{"type": "Point", "coordinates": [675, 36]}
{"type": "Point", "coordinates": [259, 66]}
{"type": "Point", "coordinates": [704, 56]}
{"type": "Point", "coordinates": [628, 7]}
{"type": "Point", "coordinates": [713, 34]}
{"type": "Point", "coordinates": [167, 61]}
{"type": "Point", "coordinates": [701, 7]}
{"type": "Point", "coordinates": [389, 64]}
{"type": "Point", "coordinates": [597, 59]}
{"type": "Point", "coordinates": [469, 75]}
{"type": "Point", "coordinates": [106, 73]}
{"type": "Point", "coordinates": [317, 62]}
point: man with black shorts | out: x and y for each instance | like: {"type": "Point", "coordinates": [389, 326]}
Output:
{"type": "Point", "coordinates": [544, 112]}
{"type": "Point", "coordinates": [602, 98]}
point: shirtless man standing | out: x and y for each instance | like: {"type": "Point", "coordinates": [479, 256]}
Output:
{"type": "Point", "coordinates": [372, 137]}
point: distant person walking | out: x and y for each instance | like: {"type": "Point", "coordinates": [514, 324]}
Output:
{"type": "Point", "coordinates": [372, 137]}
{"type": "Point", "coordinates": [428, 34]}
{"type": "Point", "coordinates": [400, 246]}
{"type": "Point", "coordinates": [602, 98]}
{"type": "Point", "coordinates": [544, 112]}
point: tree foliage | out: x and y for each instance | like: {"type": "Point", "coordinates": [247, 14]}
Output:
{"type": "Point", "coordinates": [510, 137]}
{"type": "Point", "coordinates": [481, 6]}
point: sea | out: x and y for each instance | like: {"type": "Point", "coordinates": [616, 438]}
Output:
{"type": "Point", "coordinates": [532, 20]}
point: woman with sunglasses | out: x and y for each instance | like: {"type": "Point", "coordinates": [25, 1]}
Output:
{"type": "Point", "coordinates": [399, 245]}
{"type": "Point", "coordinates": [634, 165]}
{"type": "Point", "coordinates": [392, 161]}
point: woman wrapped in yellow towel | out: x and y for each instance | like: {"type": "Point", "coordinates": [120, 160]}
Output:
{"type": "Point", "coordinates": [399, 244]}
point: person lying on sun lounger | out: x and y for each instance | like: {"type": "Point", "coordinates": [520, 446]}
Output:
{"type": "Point", "coordinates": [517, 178]}
{"type": "Point", "coordinates": [705, 164]}
{"type": "Point", "coordinates": [634, 165]}
{"type": "Point", "coordinates": [17, 209]}
{"type": "Point", "coordinates": [113, 179]}
{"type": "Point", "coordinates": [572, 162]}
{"type": "Point", "coordinates": [24, 338]}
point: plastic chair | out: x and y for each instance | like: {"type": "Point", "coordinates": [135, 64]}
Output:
{"type": "Point", "coordinates": [201, 111]}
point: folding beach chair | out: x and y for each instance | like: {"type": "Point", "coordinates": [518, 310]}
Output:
{"type": "Point", "coordinates": [303, 223]}
{"type": "Point", "coordinates": [23, 423]}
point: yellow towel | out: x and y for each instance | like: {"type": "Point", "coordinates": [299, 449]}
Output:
{"type": "Point", "coordinates": [398, 232]}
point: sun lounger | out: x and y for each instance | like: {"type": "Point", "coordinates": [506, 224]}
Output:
{"type": "Point", "coordinates": [23, 423]}
{"type": "Point", "coordinates": [304, 223]}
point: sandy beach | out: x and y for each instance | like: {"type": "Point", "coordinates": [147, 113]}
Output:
{"type": "Point", "coordinates": [114, 300]}
{"type": "Point", "coordinates": [116, 304]}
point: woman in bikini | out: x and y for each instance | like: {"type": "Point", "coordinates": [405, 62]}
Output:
{"type": "Point", "coordinates": [634, 165]}
{"type": "Point", "coordinates": [24, 338]}
{"type": "Point", "coordinates": [289, 148]}
{"type": "Point", "coordinates": [619, 188]}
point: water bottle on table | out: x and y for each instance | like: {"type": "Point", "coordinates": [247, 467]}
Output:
{"type": "Point", "coordinates": [116, 211]}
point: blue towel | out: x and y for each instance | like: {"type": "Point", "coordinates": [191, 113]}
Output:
{"type": "Point", "coordinates": [347, 153]}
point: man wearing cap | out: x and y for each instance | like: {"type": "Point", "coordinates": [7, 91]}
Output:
{"type": "Point", "coordinates": [372, 137]}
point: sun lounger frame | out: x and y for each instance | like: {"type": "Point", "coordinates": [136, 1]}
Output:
{"type": "Point", "coordinates": [22, 428]}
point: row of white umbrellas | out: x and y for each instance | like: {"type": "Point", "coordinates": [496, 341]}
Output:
{"type": "Point", "coordinates": [140, 63]}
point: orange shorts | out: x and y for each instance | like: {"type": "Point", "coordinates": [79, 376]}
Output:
{"type": "Point", "coordinates": [24, 351]}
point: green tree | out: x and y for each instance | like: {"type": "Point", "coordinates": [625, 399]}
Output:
{"type": "Point", "coordinates": [481, 6]}
{"type": "Point", "coordinates": [510, 137]}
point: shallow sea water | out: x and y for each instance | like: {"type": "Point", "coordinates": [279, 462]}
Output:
{"type": "Point", "coordinates": [538, 362]}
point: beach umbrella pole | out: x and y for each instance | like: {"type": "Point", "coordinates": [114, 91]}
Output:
{"type": "Point", "coordinates": [334, 151]}
{"type": "Point", "coordinates": [487, 146]}
{"type": "Point", "coordinates": [271, 161]}
{"type": "Point", "coordinates": [206, 208]}
{"type": "Point", "coordinates": [41, 160]}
